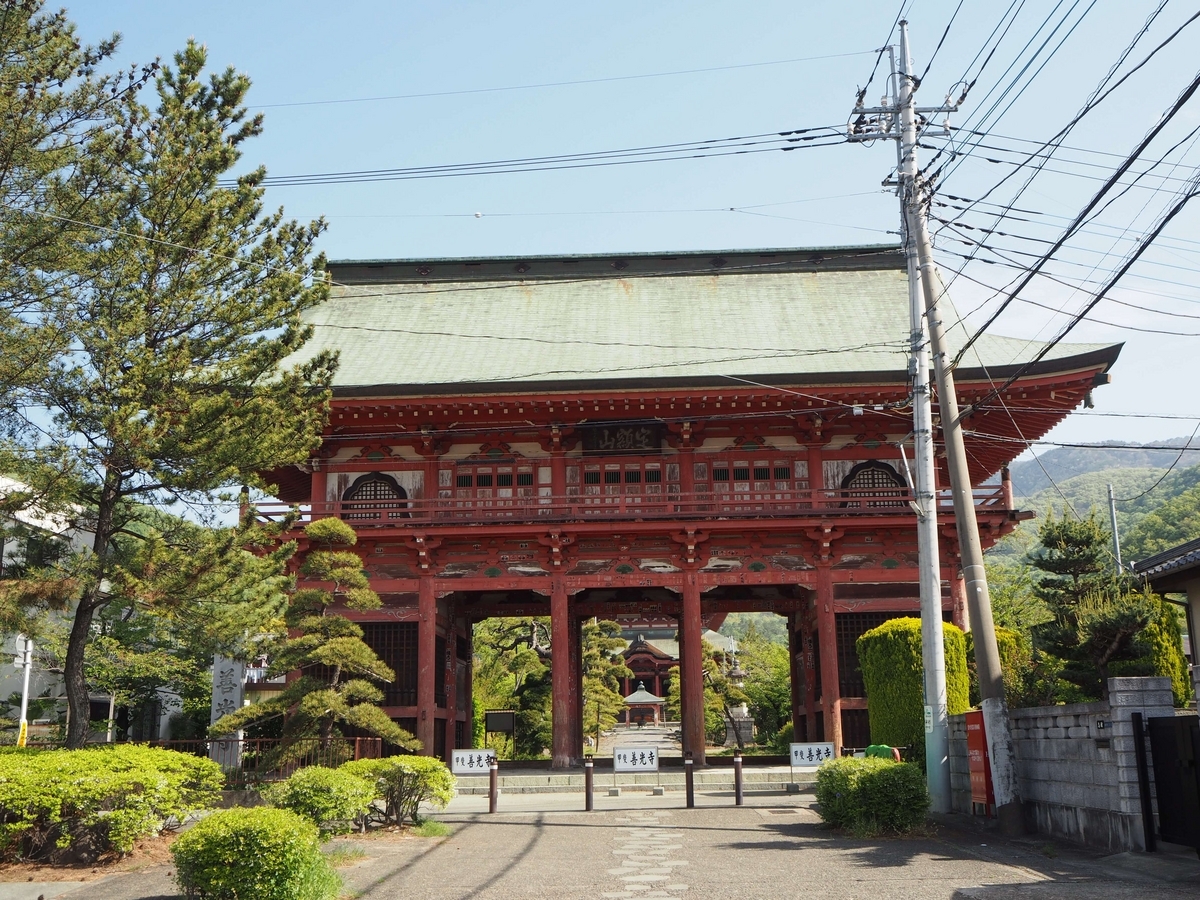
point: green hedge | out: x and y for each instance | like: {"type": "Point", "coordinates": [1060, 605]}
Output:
{"type": "Point", "coordinates": [890, 658]}
{"type": "Point", "coordinates": [871, 796]}
{"type": "Point", "coordinates": [332, 799]}
{"type": "Point", "coordinates": [73, 805]}
{"type": "Point", "coordinates": [404, 782]}
{"type": "Point", "coordinates": [254, 854]}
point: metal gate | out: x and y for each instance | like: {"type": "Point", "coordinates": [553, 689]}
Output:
{"type": "Point", "coordinates": [1174, 749]}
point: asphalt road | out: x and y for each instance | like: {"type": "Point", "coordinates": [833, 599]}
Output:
{"type": "Point", "coordinates": [774, 848]}
{"type": "Point", "coordinates": [638, 846]}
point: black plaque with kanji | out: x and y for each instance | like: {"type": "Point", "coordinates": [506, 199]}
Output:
{"type": "Point", "coordinates": [633, 437]}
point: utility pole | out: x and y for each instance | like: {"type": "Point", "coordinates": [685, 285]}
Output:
{"type": "Point", "coordinates": [1112, 518]}
{"type": "Point", "coordinates": [897, 119]}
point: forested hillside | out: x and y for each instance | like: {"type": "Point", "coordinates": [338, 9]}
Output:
{"type": "Point", "coordinates": [1158, 506]}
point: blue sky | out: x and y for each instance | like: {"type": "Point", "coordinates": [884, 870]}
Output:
{"type": "Point", "coordinates": [799, 64]}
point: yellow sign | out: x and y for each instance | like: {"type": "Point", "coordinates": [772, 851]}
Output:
{"type": "Point", "coordinates": [23, 734]}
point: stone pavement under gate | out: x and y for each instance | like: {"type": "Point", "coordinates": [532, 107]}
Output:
{"type": "Point", "coordinates": [774, 848]}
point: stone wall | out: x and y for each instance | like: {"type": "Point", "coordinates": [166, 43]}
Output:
{"type": "Point", "coordinates": [1076, 768]}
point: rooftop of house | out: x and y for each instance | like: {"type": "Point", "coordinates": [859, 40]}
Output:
{"type": "Point", "coordinates": [784, 316]}
{"type": "Point", "coordinates": [1170, 569]}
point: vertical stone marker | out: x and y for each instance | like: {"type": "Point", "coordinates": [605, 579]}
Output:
{"type": "Point", "coordinates": [228, 695]}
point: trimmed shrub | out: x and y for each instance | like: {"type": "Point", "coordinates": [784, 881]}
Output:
{"type": "Point", "coordinates": [403, 783]}
{"type": "Point", "coordinates": [1016, 665]}
{"type": "Point", "coordinates": [871, 796]}
{"type": "Point", "coordinates": [74, 805]}
{"type": "Point", "coordinates": [254, 854]}
{"type": "Point", "coordinates": [332, 799]}
{"type": "Point", "coordinates": [890, 658]}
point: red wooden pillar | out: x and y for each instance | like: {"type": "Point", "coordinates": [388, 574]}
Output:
{"type": "Point", "coordinates": [469, 669]}
{"type": "Point", "coordinates": [808, 642]}
{"type": "Point", "coordinates": [816, 477]}
{"type": "Point", "coordinates": [831, 701]}
{"type": "Point", "coordinates": [426, 662]}
{"type": "Point", "coordinates": [691, 668]}
{"type": "Point", "coordinates": [561, 705]}
{"type": "Point", "coordinates": [451, 664]}
{"type": "Point", "coordinates": [317, 497]}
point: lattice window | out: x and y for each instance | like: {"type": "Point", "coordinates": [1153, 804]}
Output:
{"type": "Point", "coordinates": [372, 493]}
{"type": "Point", "coordinates": [873, 479]}
{"type": "Point", "coordinates": [396, 644]}
{"type": "Point", "coordinates": [850, 627]}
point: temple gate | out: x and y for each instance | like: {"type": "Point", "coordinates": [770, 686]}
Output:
{"type": "Point", "coordinates": [650, 437]}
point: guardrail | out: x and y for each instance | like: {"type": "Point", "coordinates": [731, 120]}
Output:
{"type": "Point", "coordinates": [776, 504]}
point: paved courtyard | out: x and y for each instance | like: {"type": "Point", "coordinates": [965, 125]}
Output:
{"type": "Point", "coordinates": [637, 846]}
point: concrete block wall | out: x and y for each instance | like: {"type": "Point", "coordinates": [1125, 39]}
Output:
{"type": "Point", "coordinates": [1076, 768]}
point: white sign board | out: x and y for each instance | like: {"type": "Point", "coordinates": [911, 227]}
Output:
{"type": "Point", "coordinates": [811, 754]}
{"type": "Point", "coordinates": [471, 762]}
{"type": "Point", "coordinates": [635, 759]}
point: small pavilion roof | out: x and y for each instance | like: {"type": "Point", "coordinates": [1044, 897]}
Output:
{"type": "Point", "coordinates": [790, 316]}
{"type": "Point", "coordinates": [642, 697]}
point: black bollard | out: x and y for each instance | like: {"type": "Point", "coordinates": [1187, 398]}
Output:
{"type": "Point", "coordinates": [588, 768]}
{"type": "Point", "coordinates": [689, 785]}
{"type": "Point", "coordinates": [493, 786]}
{"type": "Point", "coordinates": [737, 778]}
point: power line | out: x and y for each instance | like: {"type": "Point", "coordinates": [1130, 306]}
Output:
{"type": "Point", "coordinates": [1103, 90]}
{"type": "Point", "coordinates": [1147, 240]}
{"type": "Point", "coordinates": [1155, 130]}
{"type": "Point", "coordinates": [1170, 469]}
{"type": "Point", "coordinates": [553, 84]}
{"type": "Point", "coordinates": [731, 146]}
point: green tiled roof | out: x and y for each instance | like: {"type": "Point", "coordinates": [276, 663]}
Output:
{"type": "Point", "coordinates": [408, 326]}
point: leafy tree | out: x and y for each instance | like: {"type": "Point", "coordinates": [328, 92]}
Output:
{"type": "Point", "coordinates": [180, 308]}
{"type": "Point", "coordinates": [768, 683]}
{"type": "Point", "coordinates": [603, 668]}
{"type": "Point", "coordinates": [1015, 601]}
{"type": "Point", "coordinates": [1099, 616]}
{"type": "Point", "coordinates": [54, 106]}
{"type": "Point", "coordinates": [338, 668]}
{"type": "Point", "coordinates": [722, 695]}
{"type": "Point", "coordinates": [768, 626]}
{"type": "Point", "coordinates": [512, 671]}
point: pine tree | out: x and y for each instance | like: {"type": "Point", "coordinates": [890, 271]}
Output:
{"type": "Point", "coordinates": [176, 308]}
{"type": "Point", "coordinates": [1098, 614]}
{"type": "Point", "coordinates": [337, 667]}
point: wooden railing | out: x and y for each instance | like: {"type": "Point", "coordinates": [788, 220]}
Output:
{"type": "Point", "coordinates": [582, 508]}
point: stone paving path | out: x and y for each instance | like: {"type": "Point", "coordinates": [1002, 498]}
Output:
{"type": "Point", "coordinates": [648, 847]}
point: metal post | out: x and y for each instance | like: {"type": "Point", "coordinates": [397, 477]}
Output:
{"type": "Point", "coordinates": [689, 785]}
{"type": "Point", "coordinates": [1143, 773]}
{"type": "Point", "coordinates": [588, 768]}
{"type": "Point", "coordinates": [1112, 517]}
{"type": "Point", "coordinates": [737, 778]}
{"type": "Point", "coordinates": [493, 785]}
{"type": "Point", "coordinates": [26, 650]}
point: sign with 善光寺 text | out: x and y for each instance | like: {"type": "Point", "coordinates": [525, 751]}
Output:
{"type": "Point", "coordinates": [635, 759]}
{"type": "Point", "coordinates": [811, 754]}
{"type": "Point", "coordinates": [471, 762]}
